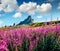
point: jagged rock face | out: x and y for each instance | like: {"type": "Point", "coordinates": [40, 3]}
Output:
{"type": "Point", "coordinates": [29, 20]}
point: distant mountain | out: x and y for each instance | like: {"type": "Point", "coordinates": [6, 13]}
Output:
{"type": "Point", "coordinates": [28, 20]}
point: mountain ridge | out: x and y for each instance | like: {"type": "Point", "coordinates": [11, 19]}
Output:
{"type": "Point", "coordinates": [27, 21]}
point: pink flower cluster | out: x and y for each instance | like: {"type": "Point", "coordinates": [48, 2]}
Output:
{"type": "Point", "coordinates": [16, 36]}
{"type": "Point", "coordinates": [3, 46]}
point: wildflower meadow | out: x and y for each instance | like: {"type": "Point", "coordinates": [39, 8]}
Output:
{"type": "Point", "coordinates": [31, 39]}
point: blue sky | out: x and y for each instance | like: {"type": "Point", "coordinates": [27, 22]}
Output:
{"type": "Point", "coordinates": [15, 11]}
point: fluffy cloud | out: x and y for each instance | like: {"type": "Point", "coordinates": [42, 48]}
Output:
{"type": "Point", "coordinates": [39, 16]}
{"type": "Point", "coordinates": [17, 15]}
{"type": "Point", "coordinates": [8, 5]}
{"type": "Point", "coordinates": [58, 6]}
{"type": "Point", "coordinates": [44, 8]}
{"type": "Point", "coordinates": [32, 8]}
{"type": "Point", "coordinates": [31, 12]}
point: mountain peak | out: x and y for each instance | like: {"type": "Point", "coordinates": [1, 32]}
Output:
{"type": "Point", "coordinates": [28, 20]}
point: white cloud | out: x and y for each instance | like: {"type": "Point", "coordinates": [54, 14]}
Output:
{"type": "Point", "coordinates": [44, 8]}
{"type": "Point", "coordinates": [39, 16]}
{"type": "Point", "coordinates": [29, 8]}
{"type": "Point", "coordinates": [32, 7]}
{"type": "Point", "coordinates": [8, 5]}
{"type": "Point", "coordinates": [58, 6]}
{"type": "Point", "coordinates": [31, 12]}
{"type": "Point", "coordinates": [17, 15]}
